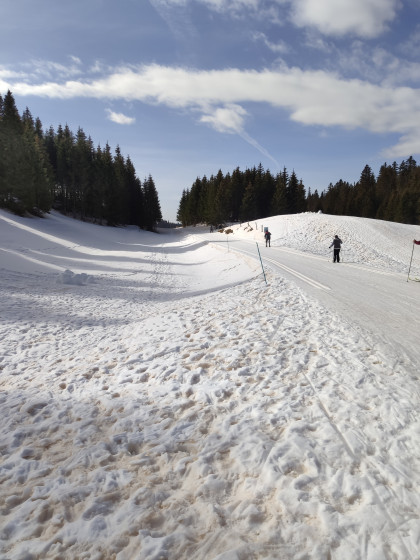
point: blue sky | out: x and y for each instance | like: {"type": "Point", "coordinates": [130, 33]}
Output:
{"type": "Point", "coordinates": [188, 87]}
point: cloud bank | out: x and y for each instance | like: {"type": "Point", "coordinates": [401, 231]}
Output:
{"type": "Point", "coordinates": [223, 98]}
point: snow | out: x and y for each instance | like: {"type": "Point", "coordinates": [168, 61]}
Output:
{"type": "Point", "coordinates": [160, 400]}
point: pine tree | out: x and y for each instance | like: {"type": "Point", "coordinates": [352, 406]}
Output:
{"type": "Point", "coordinates": [292, 193]}
{"type": "Point", "coordinates": [237, 189]}
{"type": "Point", "coordinates": [38, 171]}
{"type": "Point", "coordinates": [110, 196]}
{"type": "Point", "coordinates": [300, 197]}
{"type": "Point", "coordinates": [386, 185]}
{"type": "Point", "coordinates": [313, 202]}
{"type": "Point", "coordinates": [279, 201]}
{"type": "Point", "coordinates": [81, 173]}
{"type": "Point", "coordinates": [121, 187]}
{"type": "Point", "coordinates": [249, 203]}
{"type": "Point", "coordinates": [266, 185]}
{"type": "Point", "coordinates": [365, 194]}
{"type": "Point", "coordinates": [12, 155]}
{"type": "Point", "coordinates": [223, 201]}
{"type": "Point", "coordinates": [182, 214]}
{"type": "Point", "coordinates": [135, 196]}
{"type": "Point", "coordinates": [209, 212]}
{"type": "Point", "coordinates": [153, 212]}
{"type": "Point", "coordinates": [194, 198]}
{"type": "Point", "coordinates": [64, 146]}
{"type": "Point", "coordinates": [24, 178]}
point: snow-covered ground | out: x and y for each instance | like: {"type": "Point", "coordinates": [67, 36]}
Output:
{"type": "Point", "coordinates": [159, 400]}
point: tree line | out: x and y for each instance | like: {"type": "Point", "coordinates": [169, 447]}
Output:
{"type": "Point", "coordinates": [256, 193]}
{"type": "Point", "coordinates": [241, 196]}
{"type": "Point", "coordinates": [394, 195]}
{"type": "Point", "coordinates": [59, 169]}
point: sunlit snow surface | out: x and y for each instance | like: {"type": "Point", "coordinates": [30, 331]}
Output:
{"type": "Point", "coordinates": [159, 400]}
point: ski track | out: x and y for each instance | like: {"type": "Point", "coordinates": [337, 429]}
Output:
{"type": "Point", "coordinates": [225, 422]}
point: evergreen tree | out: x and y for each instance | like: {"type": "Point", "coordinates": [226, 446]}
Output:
{"type": "Point", "coordinates": [63, 169]}
{"type": "Point", "coordinates": [182, 214]}
{"type": "Point", "coordinates": [249, 208]}
{"type": "Point", "coordinates": [300, 197]}
{"type": "Point", "coordinates": [121, 188]}
{"type": "Point", "coordinates": [81, 173]}
{"type": "Point", "coordinates": [38, 171]}
{"type": "Point", "coordinates": [279, 201]}
{"type": "Point", "coordinates": [292, 194]}
{"type": "Point", "coordinates": [12, 155]}
{"type": "Point", "coordinates": [152, 204]}
{"type": "Point", "coordinates": [223, 201]}
{"type": "Point", "coordinates": [24, 171]}
{"type": "Point", "coordinates": [135, 196]}
{"type": "Point", "coordinates": [313, 202]}
{"type": "Point", "coordinates": [365, 194]}
{"type": "Point", "coordinates": [209, 212]}
{"type": "Point", "coordinates": [64, 148]}
{"type": "Point", "coordinates": [386, 185]}
{"type": "Point", "coordinates": [194, 197]}
{"type": "Point", "coordinates": [266, 185]}
{"type": "Point", "coordinates": [237, 189]}
{"type": "Point", "coordinates": [110, 196]}
{"type": "Point", "coordinates": [404, 172]}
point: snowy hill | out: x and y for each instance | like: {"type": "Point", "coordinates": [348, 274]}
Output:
{"type": "Point", "coordinates": [377, 243]}
{"type": "Point", "coordinates": [159, 400]}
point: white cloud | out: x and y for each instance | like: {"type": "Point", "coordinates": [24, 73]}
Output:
{"type": "Point", "coordinates": [280, 47]}
{"type": "Point", "coordinates": [226, 119]}
{"type": "Point", "coordinates": [412, 43]}
{"type": "Point", "coordinates": [178, 20]}
{"type": "Point", "coordinates": [311, 97]}
{"type": "Point", "coordinates": [377, 65]}
{"type": "Point", "coordinates": [408, 144]}
{"type": "Point", "coordinates": [231, 119]}
{"type": "Point", "coordinates": [119, 118]}
{"type": "Point", "coordinates": [364, 18]}
{"type": "Point", "coordinates": [49, 69]}
{"type": "Point", "coordinates": [7, 74]}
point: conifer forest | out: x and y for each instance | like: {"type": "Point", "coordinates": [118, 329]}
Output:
{"type": "Point", "coordinates": [394, 195]}
{"type": "Point", "coordinates": [59, 169]}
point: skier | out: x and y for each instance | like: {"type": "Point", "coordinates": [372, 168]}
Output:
{"type": "Point", "coordinates": [267, 236]}
{"type": "Point", "coordinates": [337, 246]}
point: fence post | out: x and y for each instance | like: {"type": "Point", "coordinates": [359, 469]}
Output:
{"type": "Point", "coordinates": [411, 260]}
{"type": "Point", "coordinates": [261, 263]}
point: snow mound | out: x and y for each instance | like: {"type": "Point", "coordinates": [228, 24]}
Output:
{"type": "Point", "coordinates": [69, 277]}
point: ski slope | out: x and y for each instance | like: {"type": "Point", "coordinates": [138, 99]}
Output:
{"type": "Point", "coordinates": [160, 400]}
{"type": "Point", "coordinates": [370, 288]}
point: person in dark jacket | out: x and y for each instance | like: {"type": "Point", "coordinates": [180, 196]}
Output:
{"type": "Point", "coordinates": [267, 236]}
{"type": "Point", "coordinates": [337, 246]}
